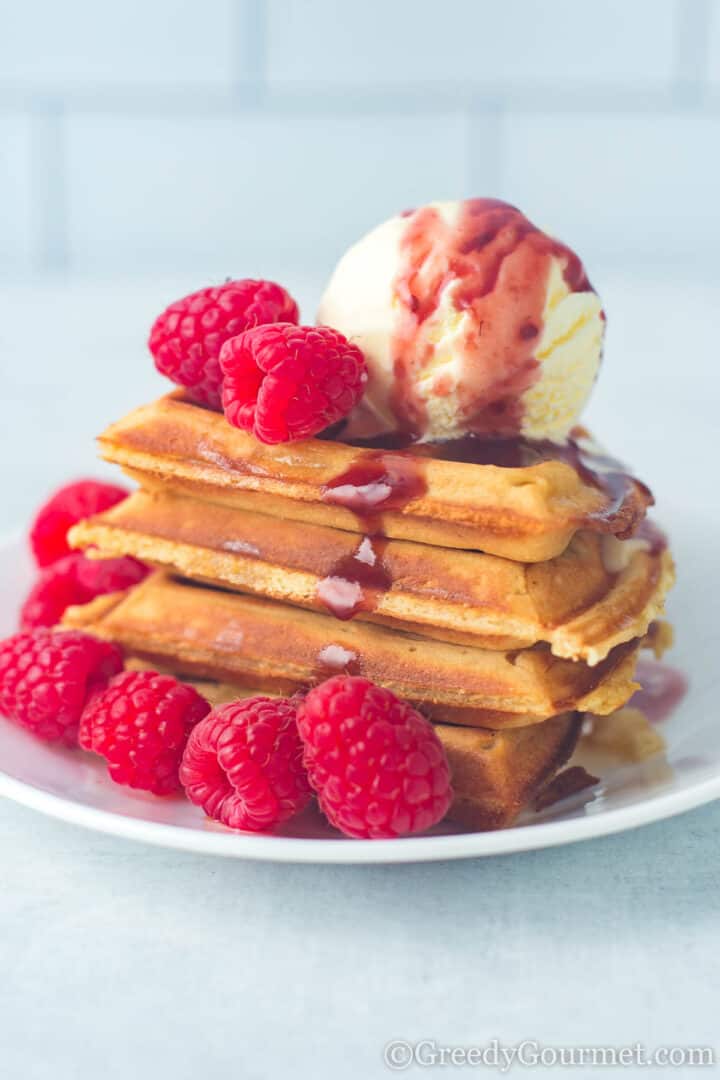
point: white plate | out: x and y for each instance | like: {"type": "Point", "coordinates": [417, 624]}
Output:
{"type": "Point", "coordinates": [74, 786]}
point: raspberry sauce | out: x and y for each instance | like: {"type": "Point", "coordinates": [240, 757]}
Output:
{"type": "Point", "coordinates": [390, 474]}
{"type": "Point", "coordinates": [376, 482]}
{"type": "Point", "coordinates": [389, 479]}
{"type": "Point", "coordinates": [663, 688]}
{"type": "Point", "coordinates": [358, 581]}
{"type": "Point", "coordinates": [653, 536]}
{"type": "Point", "coordinates": [493, 264]}
{"type": "Point", "coordinates": [569, 782]}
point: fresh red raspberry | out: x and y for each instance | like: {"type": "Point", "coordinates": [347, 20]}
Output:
{"type": "Point", "coordinates": [186, 339]}
{"type": "Point", "coordinates": [376, 764]}
{"type": "Point", "coordinates": [140, 724]}
{"type": "Point", "coordinates": [70, 504]}
{"type": "Point", "coordinates": [243, 764]}
{"type": "Point", "coordinates": [75, 579]}
{"type": "Point", "coordinates": [47, 677]}
{"type": "Point", "coordinates": [55, 589]}
{"type": "Point", "coordinates": [100, 576]}
{"type": "Point", "coordinates": [287, 382]}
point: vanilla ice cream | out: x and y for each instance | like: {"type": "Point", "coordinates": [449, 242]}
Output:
{"type": "Point", "coordinates": [471, 320]}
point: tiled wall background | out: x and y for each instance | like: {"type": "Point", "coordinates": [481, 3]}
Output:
{"type": "Point", "coordinates": [240, 135]}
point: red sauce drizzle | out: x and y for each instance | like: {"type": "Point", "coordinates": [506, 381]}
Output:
{"type": "Point", "coordinates": [569, 782]}
{"type": "Point", "coordinates": [391, 479]}
{"type": "Point", "coordinates": [652, 535]}
{"type": "Point", "coordinates": [376, 482]}
{"type": "Point", "coordinates": [663, 688]}
{"type": "Point", "coordinates": [386, 478]}
{"type": "Point", "coordinates": [358, 581]}
{"type": "Point", "coordinates": [498, 263]}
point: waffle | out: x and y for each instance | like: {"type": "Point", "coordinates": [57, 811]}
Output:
{"type": "Point", "coordinates": [599, 593]}
{"type": "Point", "coordinates": [527, 513]}
{"type": "Point", "coordinates": [495, 774]}
{"type": "Point", "coordinates": [235, 638]}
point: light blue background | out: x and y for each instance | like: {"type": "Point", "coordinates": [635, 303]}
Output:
{"type": "Point", "coordinates": [235, 136]}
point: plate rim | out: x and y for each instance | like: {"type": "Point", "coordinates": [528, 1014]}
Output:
{"type": "Point", "coordinates": [272, 848]}
{"type": "Point", "coordinates": [289, 849]}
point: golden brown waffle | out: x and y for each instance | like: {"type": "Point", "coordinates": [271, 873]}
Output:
{"type": "Point", "coordinates": [598, 594]}
{"type": "Point", "coordinates": [527, 513]}
{"type": "Point", "coordinates": [495, 774]}
{"type": "Point", "coordinates": [257, 642]}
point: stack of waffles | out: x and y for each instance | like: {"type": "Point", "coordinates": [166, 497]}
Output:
{"type": "Point", "coordinates": [505, 588]}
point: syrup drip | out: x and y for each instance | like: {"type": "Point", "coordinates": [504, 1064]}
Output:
{"type": "Point", "coordinates": [390, 479]}
{"type": "Point", "coordinates": [601, 471]}
{"type": "Point", "coordinates": [663, 688]}
{"type": "Point", "coordinates": [653, 536]}
{"type": "Point", "coordinates": [375, 483]}
{"type": "Point", "coordinates": [385, 479]}
{"type": "Point", "coordinates": [357, 582]}
{"type": "Point", "coordinates": [569, 782]}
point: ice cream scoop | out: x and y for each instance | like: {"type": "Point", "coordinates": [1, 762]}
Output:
{"type": "Point", "coordinates": [471, 319]}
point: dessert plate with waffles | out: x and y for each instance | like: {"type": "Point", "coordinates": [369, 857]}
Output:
{"type": "Point", "coordinates": [367, 589]}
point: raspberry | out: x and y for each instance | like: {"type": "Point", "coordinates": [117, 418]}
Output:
{"type": "Point", "coordinates": [100, 576]}
{"type": "Point", "coordinates": [243, 764]}
{"type": "Point", "coordinates": [47, 677]}
{"type": "Point", "coordinates": [287, 382]}
{"type": "Point", "coordinates": [55, 589]}
{"type": "Point", "coordinates": [69, 504]}
{"type": "Point", "coordinates": [76, 580]}
{"type": "Point", "coordinates": [186, 339]}
{"type": "Point", "coordinates": [140, 724]}
{"type": "Point", "coordinates": [376, 764]}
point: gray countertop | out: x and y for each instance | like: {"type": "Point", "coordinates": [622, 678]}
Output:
{"type": "Point", "coordinates": [121, 960]}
